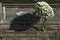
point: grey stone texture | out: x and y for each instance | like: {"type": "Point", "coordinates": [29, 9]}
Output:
{"type": "Point", "coordinates": [52, 29]}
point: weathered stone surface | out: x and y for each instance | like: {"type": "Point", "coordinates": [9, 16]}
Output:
{"type": "Point", "coordinates": [51, 35]}
{"type": "Point", "coordinates": [37, 36]}
{"type": "Point", "coordinates": [52, 27]}
{"type": "Point", "coordinates": [54, 35]}
{"type": "Point", "coordinates": [1, 12]}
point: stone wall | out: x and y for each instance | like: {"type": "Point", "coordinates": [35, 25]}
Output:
{"type": "Point", "coordinates": [52, 29]}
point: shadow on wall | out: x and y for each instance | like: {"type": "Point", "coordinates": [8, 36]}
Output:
{"type": "Point", "coordinates": [23, 22]}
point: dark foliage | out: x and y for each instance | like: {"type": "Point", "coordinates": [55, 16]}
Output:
{"type": "Point", "coordinates": [24, 22]}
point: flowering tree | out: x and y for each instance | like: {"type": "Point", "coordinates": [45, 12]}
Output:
{"type": "Point", "coordinates": [44, 10]}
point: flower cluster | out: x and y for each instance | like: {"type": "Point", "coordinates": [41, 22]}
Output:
{"type": "Point", "coordinates": [43, 9]}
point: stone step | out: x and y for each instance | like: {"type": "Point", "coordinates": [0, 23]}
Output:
{"type": "Point", "coordinates": [39, 28]}
{"type": "Point", "coordinates": [50, 35]}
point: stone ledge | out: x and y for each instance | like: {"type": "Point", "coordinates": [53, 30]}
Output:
{"type": "Point", "coordinates": [50, 35]}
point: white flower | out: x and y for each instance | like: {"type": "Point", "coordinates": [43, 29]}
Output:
{"type": "Point", "coordinates": [43, 9]}
{"type": "Point", "coordinates": [42, 3]}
